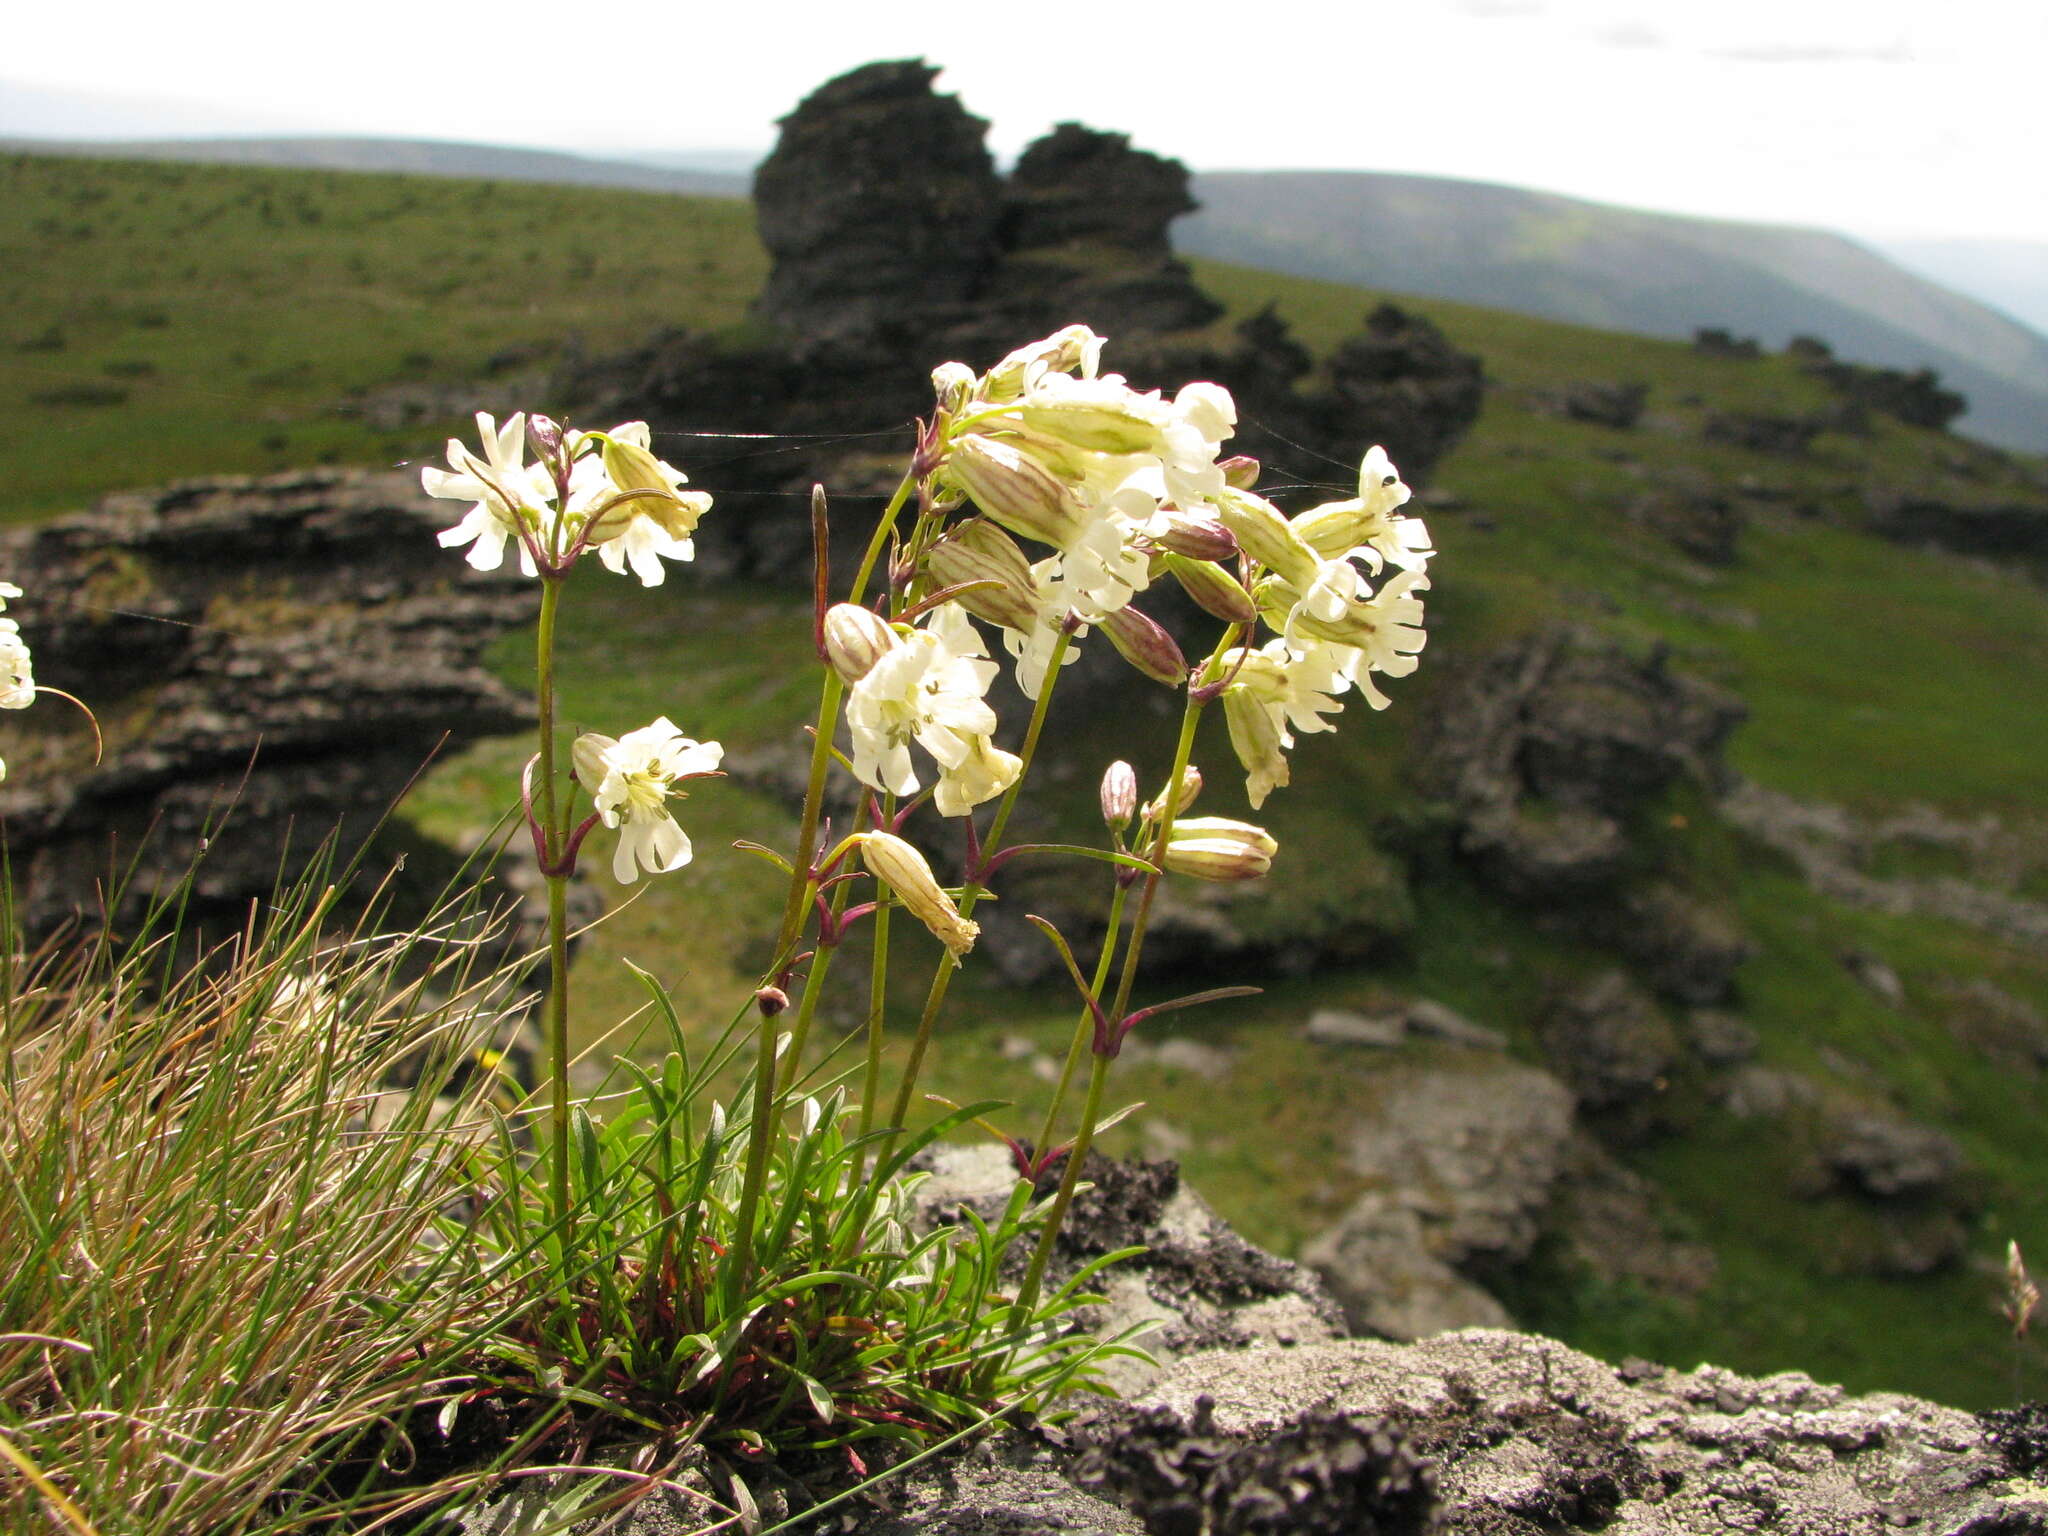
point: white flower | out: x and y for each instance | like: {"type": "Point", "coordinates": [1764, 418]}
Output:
{"type": "Point", "coordinates": [506, 492]}
{"type": "Point", "coordinates": [1277, 691]}
{"type": "Point", "coordinates": [658, 519]}
{"type": "Point", "coordinates": [1365, 527]}
{"type": "Point", "coordinates": [1382, 635]}
{"type": "Point", "coordinates": [928, 689]}
{"type": "Point", "coordinates": [630, 780]}
{"type": "Point", "coordinates": [17, 673]}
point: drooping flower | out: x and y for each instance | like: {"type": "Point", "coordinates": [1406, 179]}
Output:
{"type": "Point", "coordinates": [630, 780]}
{"type": "Point", "coordinates": [639, 513]}
{"type": "Point", "coordinates": [1275, 692]}
{"type": "Point", "coordinates": [507, 494]}
{"type": "Point", "coordinates": [1382, 633]}
{"type": "Point", "coordinates": [889, 858]}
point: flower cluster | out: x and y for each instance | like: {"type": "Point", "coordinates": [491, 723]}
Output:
{"type": "Point", "coordinates": [1333, 630]}
{"type": "Point", "coordinates": [589, 491]}
{"type": "Point", "coordinates": [17, 675]}
{"type": "Point", "coordinates": [1112, 479]}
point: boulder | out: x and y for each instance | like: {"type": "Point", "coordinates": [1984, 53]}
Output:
{"type": "Point", "coordinates": [1602, 402]}
{"type": "Point", "coordinates": [1997, 529]}
{"type": "Point", "coordinates": [1698, 520]}
{"type": "Point", "coordinates": [1762, 431]}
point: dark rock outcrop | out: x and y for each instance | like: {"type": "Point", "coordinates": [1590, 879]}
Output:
{"type": "Point", "coordinates": [1763, 432]}
{"type": "Point", "coordinates": [268, 659]}
{"type": "Point", "coordinates": [897, 247]}
{"type": "Point", "coordinates": [880, 196]}
{"type": "Point", "coordinates": [1996, 528]}
{"type": "Point", "coordinates": [1914, 397]}
{"type": "Point", "coordinates": [1717, 341]}
{"type": "Point", "coordinates": [1547, 747]}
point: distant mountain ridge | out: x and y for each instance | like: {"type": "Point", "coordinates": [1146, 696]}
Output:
{"type": "Point", "coordinates": [1539, 253]}
{"type": "Point", "coordinates": [419, 157]}
{"type": "Point", "coordinates": [1623, 269]}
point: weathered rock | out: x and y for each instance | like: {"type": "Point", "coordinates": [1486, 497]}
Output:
{"type": "Point", "coordinates": [1992, 528]}
{"type": "Point", "coordinates": [896, 247]}
{"type": "Point", "coordinates": [1545, 748]}
{"type": "Point", "coordinates": [1525, 1435]}
{"type": "Point", "coordinates": [1697, 519]}
{"type": "Point", "coordinates": [1428, 1017]}
{"type": "Point", "coordinates": [1888, 1158]}
{"type": "Point", "coordinates": [1613, 1223]}
{"type": "Point", "coordinates": [2003, 1028]}
{"type": "Point", "coordinates": [1461, 1156]}
{"type": "Point", "coordinates": [1615, 1050]}
{"type": "Point", "coordinates": [1719, 1039]}
{"type": "Point", "coordinates": [1914, 397]}
{"type": "Point", "coordinates": [1402, 375]}
{"type": "Point", "coordinates": [1602, 402]}
{"type": "Point", "coordinates": [1714, 341]}
{"type": "Point", "coordinates": [1762, 432]}
{"type": "Point", "coordinates": [1685, 948]}
{"type": "Point", "coordinates": [1198, 1283]}
{"type": "Point", "coordinates": [1341, 1026]}
{"type": "Point", "coordinates": [1834, 848]}
{"type": "Point", "coordinates": [280, 656]}
{"type": "Point", "coordinates": [879, 196]}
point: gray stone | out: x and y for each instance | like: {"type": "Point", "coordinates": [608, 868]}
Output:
{"type": "Point", "coordinates": [1461, 1159]}
{"type": "Point", "coordinates": [1719, 1039]}
{"type": "Point", "coordinates": [1340, 1026]}
{"type": "Point", "coordinates": [1425, 1016]}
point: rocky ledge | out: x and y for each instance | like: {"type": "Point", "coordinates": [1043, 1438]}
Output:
{"type": "Point", "coordinates": [268, 658]}
{"type": "Point", "coordinates": [1262, 1418]}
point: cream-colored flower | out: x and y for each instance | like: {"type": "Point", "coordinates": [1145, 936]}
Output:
{"type": "Point", "coordinates": [1365, 526]}
{"type": "Point", "coordinates": [640, 514]}
{"type": "Point", "coordinates": [1383, 634]}
{"type": "Point", "coordinates": [927, 689]}
{"type": "Point", "coordinates": [890, 859]}
{"type": "Point", "coordinates": [630, 780]}
{"type": "Point", "coordinates": [506, 493]}
{"type": "Point", "coordinates": [1276, 692]}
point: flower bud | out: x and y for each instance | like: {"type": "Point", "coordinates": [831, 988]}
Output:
{"type": "Point", "coordinates": [1266, 536]}
{"type": "Point", "coordinates": [1214, 589]}
{"type": "Point", "coordinates": [1145, 646]}
{"type": "Point", "coordinates": [952, 383]}
{"type": "Point", "coordinates": [1197, 536]}
{"type": "Point", "coordinates": [1016, 490]}
{"type": "Point", "coordinates": [770, 1001]}
{"type": "Point", "coordinates": [1240, 471]}
{"type": "Point", "coordinates": [1190, 787]}
{"type": "Point", "coordinates": [980, 551]}
{"type": "Point", "coordinates": [890, 859]}
{"type": "Point", "coordinates": [1217, 848]}
{"type": "Point", "coordinates": [855, 639]}
{"type": "Point", "coordinates": [1119, 795]}
{"type": "Point", "coordinates": [545, 433]}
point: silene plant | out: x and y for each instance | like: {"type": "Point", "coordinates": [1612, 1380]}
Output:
{"type": "Point", "coordinates": [746, 1280]}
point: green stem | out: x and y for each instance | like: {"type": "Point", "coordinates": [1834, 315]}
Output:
{"type": "Point", "coordinates": [1084, 1138]}
{"type": "Point", "coordinates": [557, 1023]}
{"type": "Point", "coordinates": [801, 889]}
{"type": "Point", "coordinates": [814, 984]}
{"type": "Point", "coordinates": [1034, 1277]}
{"type": "Point", "coordinates": [970, 893]}
{"type": "Point", "coordinates": [1084, 1022]}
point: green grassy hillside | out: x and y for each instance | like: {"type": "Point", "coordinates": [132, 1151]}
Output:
{"type": "Point", "coordinates": [174, 320]}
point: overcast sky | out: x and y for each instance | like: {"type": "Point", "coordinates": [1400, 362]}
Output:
{"type": "Point", "coordinates": [1880, 117]}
